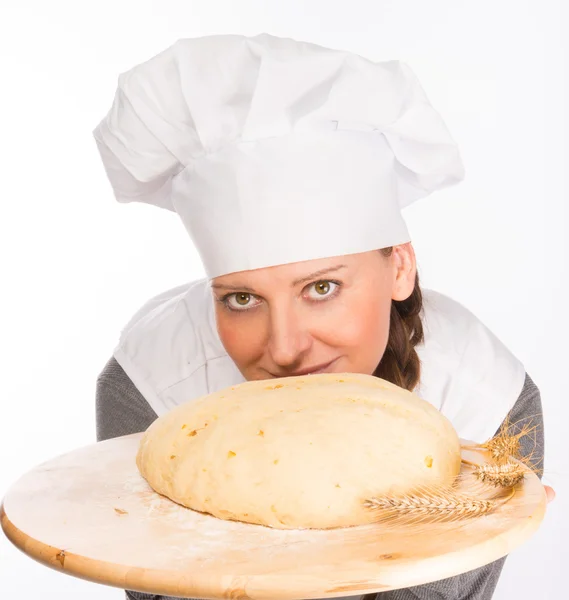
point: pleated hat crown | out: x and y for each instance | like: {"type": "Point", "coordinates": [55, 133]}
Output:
{"type": "Point", "coordinates": [273, 150]}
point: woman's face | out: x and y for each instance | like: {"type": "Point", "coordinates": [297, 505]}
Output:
{"type": "Point", "coordinates": [325, 315]}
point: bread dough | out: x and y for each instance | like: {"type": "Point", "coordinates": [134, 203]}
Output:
{"type": "Point", "coordinates": [298, 452]}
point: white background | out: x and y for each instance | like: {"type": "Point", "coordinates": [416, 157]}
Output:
{"type": "Point", "coordinates": [75, 264]}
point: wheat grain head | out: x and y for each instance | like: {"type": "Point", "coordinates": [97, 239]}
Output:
{"type": "Point", "coordinates": [435, 504]}
{"type": "Point", "coordinates": [505, 475]}
{"type": "Point", "coordinates": [506, 444]}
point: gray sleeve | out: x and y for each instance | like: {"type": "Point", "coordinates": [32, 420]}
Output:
{"type": "Point", "coordinates": [121, 410]}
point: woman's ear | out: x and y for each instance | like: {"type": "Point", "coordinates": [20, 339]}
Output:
{"type": "Point", "coordinates": [405, 271]}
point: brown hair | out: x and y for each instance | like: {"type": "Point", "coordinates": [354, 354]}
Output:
{"type": "Point", "coordinates": [400, 363]}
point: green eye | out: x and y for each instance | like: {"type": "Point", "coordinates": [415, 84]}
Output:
{"type": "Point", "coordinates": [322, 287]}
{"type": "Point", "coordinates": [323, 290]}
{"type": "Point", "coordinates": [242, 299]}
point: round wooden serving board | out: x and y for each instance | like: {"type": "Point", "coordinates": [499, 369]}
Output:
{"type": "Point", "coordinates": [90, 514]}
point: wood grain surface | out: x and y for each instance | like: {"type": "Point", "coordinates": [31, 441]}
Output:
{"type": "Point", "coordinates": [90, 514]}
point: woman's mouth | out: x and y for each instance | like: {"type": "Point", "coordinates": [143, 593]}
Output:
{"type": "Point", "coordinates": [321, 368]}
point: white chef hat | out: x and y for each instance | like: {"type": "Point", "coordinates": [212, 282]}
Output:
{"type": "Point", "coordinates": [275, 151]}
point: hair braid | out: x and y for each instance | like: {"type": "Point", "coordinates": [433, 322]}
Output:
{"type": "Point", "coordinates": [400, 363]}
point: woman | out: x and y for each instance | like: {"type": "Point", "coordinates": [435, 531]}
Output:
{"type": "Point", "coordinates": [289, 165]}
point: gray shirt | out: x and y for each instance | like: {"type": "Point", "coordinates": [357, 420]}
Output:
{"type": "Point", "coordinates": [121, 410]}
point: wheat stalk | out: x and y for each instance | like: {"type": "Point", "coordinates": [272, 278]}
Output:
{"type": "Point", "coordinates": [506, 445]}
{"type": "Point", "coordinates": [432, 505]}
{"type": "Point", "coordinates": [505, 475]}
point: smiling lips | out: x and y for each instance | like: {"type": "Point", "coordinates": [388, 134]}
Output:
{"type": "Point", "coordinates": [309, 371]}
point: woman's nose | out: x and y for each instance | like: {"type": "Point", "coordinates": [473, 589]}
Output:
{"type": "Point", "coordinates": [289, 338]}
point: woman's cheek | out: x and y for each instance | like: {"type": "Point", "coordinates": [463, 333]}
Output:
{"type": "Point", "coordinates": [336, 324]}
{"type": "Point", "coordinates": [367, 327]}
{"type": "Point", "coordinates": [229, 331]}
{"type": "Point", "coordinates": [241, 335]}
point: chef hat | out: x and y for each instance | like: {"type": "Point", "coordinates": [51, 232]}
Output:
{"type": "Point", "coordinates": [275, 151]}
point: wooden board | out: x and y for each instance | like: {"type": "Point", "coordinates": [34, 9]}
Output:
{"type": "Point", "coordinates": [90, 514]}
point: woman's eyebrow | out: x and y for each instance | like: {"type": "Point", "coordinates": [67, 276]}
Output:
{"type": "Point", "coordinates": [318, 274]}
{"type": "Point", "coordinates": [244, 288]}
{"type": "Point", "coordinates": [235, 288]}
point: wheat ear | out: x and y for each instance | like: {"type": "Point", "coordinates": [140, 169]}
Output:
{"type": "Point", "coordinates": [432, 505]}
{"type": "Point", "coordinates": [504, 475]}
{"type": "Point", "coordinates": [506, 445]}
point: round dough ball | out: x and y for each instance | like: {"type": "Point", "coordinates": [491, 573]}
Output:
{"type": "Point", "coordinates": [298, 452]}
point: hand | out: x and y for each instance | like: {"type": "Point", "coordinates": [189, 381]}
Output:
{"type": "Point", "coordinates": [550, 493]}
